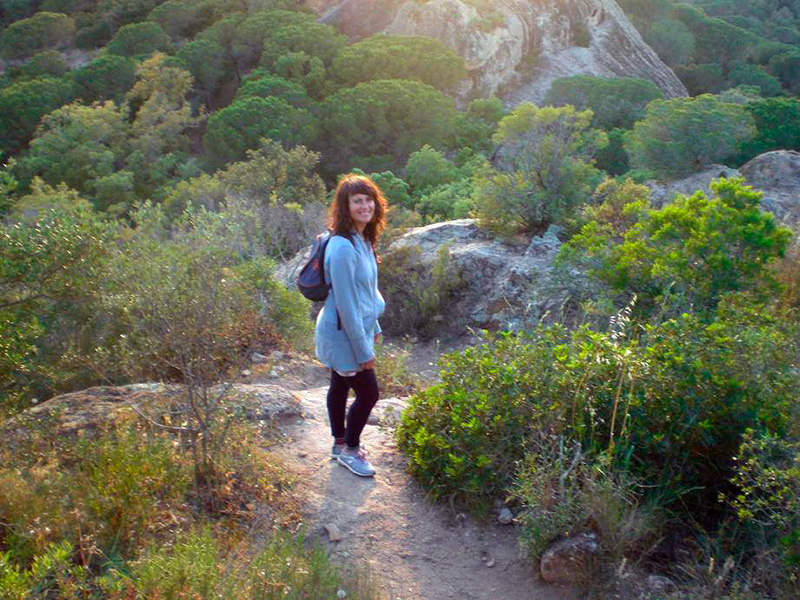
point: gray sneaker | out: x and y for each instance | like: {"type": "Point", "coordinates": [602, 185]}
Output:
{"type": "Point", "coordinates": [337, 450]}
{"type": "Point", "coordinates": [356, 461]}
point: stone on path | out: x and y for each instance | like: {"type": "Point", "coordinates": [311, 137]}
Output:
{"type": "Point", "coordinates": [565, 561]}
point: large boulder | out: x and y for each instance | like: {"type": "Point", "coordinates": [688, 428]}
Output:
{"type": "Point", "coordinates": [777, 174]}
{"type": "Point", "coordinates": [506, 286]}
{"type": "Point", "coordinates": [662, 193]}
{"type": "Point", "coordinates": [515, 48]}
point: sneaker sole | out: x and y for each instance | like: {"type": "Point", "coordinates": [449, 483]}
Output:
{"type": "Point", "coordinates": [349, 468]}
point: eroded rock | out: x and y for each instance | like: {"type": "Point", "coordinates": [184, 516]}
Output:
{"type": "Point", "coordinates": [566, 560]}
{"type": "Point", "coordinates": [514, 45]}
{"type": "Point", "coordinates": [777, 174]}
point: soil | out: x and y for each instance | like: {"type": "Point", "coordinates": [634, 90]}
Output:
{"type": "Point", "coordinates": [414, 549]}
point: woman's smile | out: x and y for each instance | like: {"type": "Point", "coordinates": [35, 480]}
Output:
{"type": "Point", "coordinates": [362, 209]}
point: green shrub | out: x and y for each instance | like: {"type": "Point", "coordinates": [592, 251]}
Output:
{"type": "Point", "coordinates": [562, 493]}
{"type": "Point", "coordinates": [670, 405]}
{"type": "Point", "coordinates": [418, 294]}
{"type": "Point", "coordinates": [686, 255]}
{"type": "Point", "coordinates": [51, 574]}
{"type": "Point", "coordinates": [545, 169]}
{"type": "Point", "coordinates": [197, 565]}
{"type": "Point", "coordinates": [139, 39]}
{"type": "Point", "coordinates": [100, 496]}
{"type": "Point", "coordinates": [465, 436]}
{"type": "Point", "coordinates": [51, 264]}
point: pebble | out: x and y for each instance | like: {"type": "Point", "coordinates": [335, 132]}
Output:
{"type": "Point", "coordinates": [334, 534]}
{"type": "Point", "coordinates": [302, 454]}
{"type": "Point", "coordinates": [258, 358]}
{"type": "Point", "coordinates": [490, 563]}
{"type": "Point", "coordinates": [246, 373]}
{"type": "Point", "coordinates": [506, 517]}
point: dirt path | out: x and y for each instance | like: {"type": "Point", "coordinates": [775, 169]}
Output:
{"type": "Point", "coordinates": [415, 549]}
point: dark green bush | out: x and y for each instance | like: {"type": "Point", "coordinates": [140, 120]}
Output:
{"type": "Point", "coordinates": [669, 405]}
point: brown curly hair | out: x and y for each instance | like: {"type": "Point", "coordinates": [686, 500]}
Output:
{"type": "Point", "coordinates": [339, 220]}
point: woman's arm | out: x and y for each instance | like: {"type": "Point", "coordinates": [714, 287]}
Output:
{"type": "Point", "coordinates": [343, 279]}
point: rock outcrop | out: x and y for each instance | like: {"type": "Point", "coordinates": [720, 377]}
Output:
{"type": "Point", "coordinates": [662, 193]}
{"type": "Point", "coordinates": [98, 408]}
{"type": "Point", "coordinates": [515, 48]}
{"type": "Point", "coordinates": [507, 286]}
{"type": "Point", "coordinates": [775, 174]}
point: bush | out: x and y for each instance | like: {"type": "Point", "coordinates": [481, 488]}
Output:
{"type": "Point", "coordinates": [682, 135]}
{"type": "Point", "coordinates": [139, 39]}
{"type": "Point", "coordinates": [45, 64]}
{"type": "Point", "coordinates": [98, 496]}
{"type": "Point", "coordinates": [417, 295]}
{"type": "Point", "coordinates": [687, 255]}
{"type": "Point", "coordinates": [563, 493]}
{"type": "Point", "coordinates": [50, 268]}
{"type": "Point", "coordinates": [671, 406]}
{"type": "Point", "coordinates": [282, 567]}
{"type": "Point", "coordinates": [42, 31]}
{"type": "Point", "coordinates": [545, 170]}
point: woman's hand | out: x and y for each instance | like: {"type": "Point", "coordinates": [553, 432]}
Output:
{"type": "Point", "coordinates": [370, 364]}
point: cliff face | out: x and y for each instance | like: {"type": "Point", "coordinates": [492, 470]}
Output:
{"type": "Point", "coordinates": [514, 48]}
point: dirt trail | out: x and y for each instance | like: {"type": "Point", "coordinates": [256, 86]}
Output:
{"type": "Point", "coordinates": [415, 549]}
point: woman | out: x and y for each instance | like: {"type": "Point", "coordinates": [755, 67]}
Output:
{"type": "Point", "coordinates": [347, 326]}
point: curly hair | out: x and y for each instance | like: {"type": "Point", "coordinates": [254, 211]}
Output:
{"type": "Point", "coordinates": [339, 220]}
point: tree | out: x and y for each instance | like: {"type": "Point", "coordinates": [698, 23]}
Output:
{"type": "Point", "coordinates": [49, 63]}
{"type": "Point", "coordinates": [240, 127]}
{"type": "Point", "coordinates": [139, 39]}
{"type": "Point", "coordinates": [22, 106]}
{"type": "Point", "coordinates": [42, 31]}
{"type": "Point", "coordinates": [182, 18]}
{"type": "Point", "coordinates": [691, 252]}
{"type": "Point", "coordinates": [158, 132]}
{"type": "Point", "coordinates": [428, 168]}
{"type": "Point", "coordinates": [747, 74]}
{"type": "Point", "coordinates": [672, 41]}
{"type": "Point", "coordinates": [701, 79]}
{"type": "Point", "coordinates": [616, 102]}
{"type": "Point", "coordinates": [247, 42]}
{"type": "Point", "coordinates": [274, 86]}
{"type": "Point", "coordinates": [786, 67]}
{"type": "Point", "coordinates": [387, 119]}
{"type": "Point", "coordinates": [315, 39]}
{"type": "Point", "coordinates": [108, 77]}
{"type": "Point", "coordinates": [777, 122]}
{"type": "Point", "coordinates": [51, 256]}
{"type": "Point", "coordinates": [422, 59]}
{"type": "Point", "coordinates": [80, 146]}
{"type": "Point", "coordinates": [544, 168]}
{"type": "Point", "coordinates": [681, 135]}
{"type": "Point", "coordinates": [207, 62]}
{"type": "Point", "coordinates": [308, 71]}
{"type": "Point", "coordinates": [473, 128]}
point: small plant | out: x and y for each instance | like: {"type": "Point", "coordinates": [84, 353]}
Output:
{"type": "Point", "coordinates": [395, 377]}
{"type": "Point", "coordinates": [418, 295]}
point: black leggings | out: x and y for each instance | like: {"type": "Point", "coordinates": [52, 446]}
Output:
{"type": "Point", "coordinates": [365, 385]}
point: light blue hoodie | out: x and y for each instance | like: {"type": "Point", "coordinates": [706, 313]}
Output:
{"type": "Point", "coordinates": [351, 270]}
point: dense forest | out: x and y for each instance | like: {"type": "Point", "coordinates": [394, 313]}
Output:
{"type": "Point", "coordinates": [161, 157]}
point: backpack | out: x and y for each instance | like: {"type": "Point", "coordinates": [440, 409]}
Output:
{"type": "Point", "coordinates": [311, 280]}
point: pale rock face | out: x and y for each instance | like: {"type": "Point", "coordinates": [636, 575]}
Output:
{"type": "Point", "coordinates": [529, 44]}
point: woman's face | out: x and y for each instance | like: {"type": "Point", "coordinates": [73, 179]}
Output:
{"type": "Point", "coordinates": [362, 209]}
